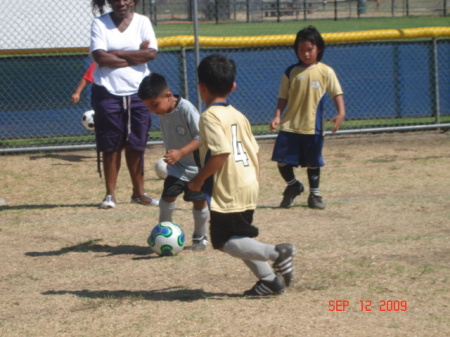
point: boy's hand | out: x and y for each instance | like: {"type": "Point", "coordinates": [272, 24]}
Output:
{"type": "Point", "coordinates": [337, 122]}
{"type": "Point", "coordinates": [274, 123]}
{"type": "Point", "coordinates": [195, 184]}
{"type": "Point", "coordinates": [172, 156]}
{"type": "Point", "coordinates": [339, 118]}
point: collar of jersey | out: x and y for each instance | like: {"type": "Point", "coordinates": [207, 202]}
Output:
{"type": "Point", "coordinates": [220, 104]}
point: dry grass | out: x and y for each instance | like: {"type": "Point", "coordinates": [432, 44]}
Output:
{"type": "Point", "coordinates": [70, 269]}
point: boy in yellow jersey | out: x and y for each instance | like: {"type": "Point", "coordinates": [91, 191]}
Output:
{"type": "Point", "coordinates": [229, 177]}
{"type": "Point", "coordinates": [300, 140]}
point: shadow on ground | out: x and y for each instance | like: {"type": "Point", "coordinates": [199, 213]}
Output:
{"type": "Point", "coordinates": [93, 246]}
{"type": "Point", "coordinates": [168, 294]}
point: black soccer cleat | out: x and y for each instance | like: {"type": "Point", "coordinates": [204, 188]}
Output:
{"type": "Point", "coordinates": [315, 201]}
{"type": "Point", "coordinates": [284, 265]}
{"type": "Point", "coordinates": [266, 288]}
{"type": "Point", "coordinates": [290, 192]}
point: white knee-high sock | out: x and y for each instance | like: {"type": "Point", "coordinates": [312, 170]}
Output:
{"type": "Point", "coordinates": [201, 217]}
{"type": "Point", "coordinates": [166, 210]}
{"type": "Point", "coordinates": [261, 269]}
{"type": "Point", "coordinates": [249, 249]}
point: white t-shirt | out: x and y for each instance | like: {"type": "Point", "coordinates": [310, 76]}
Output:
{"type": "Point", "coordinates": [105, 36]}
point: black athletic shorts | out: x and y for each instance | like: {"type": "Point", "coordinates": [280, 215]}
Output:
{"type": "Point", "coordinates": [173, 187]}
{"type": "Point", "coordinates": [225, 225]}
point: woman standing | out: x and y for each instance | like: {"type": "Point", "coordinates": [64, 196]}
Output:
{"type": "Point", "coordinates": [122, 43]}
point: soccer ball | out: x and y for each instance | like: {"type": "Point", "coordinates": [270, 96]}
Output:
{"type": "Point", "coordinates": [161, 168]}
{"type": "Point", "coordinates": [88, 119]}
{"type": "Point", "coordinates": [166, 239]}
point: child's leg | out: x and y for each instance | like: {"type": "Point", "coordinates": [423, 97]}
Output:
{"type": "Point", "coordinates": [200, 212]}
{"type": "Point", "coordinates": [314, 199]}
{"type": "Point", "coordinates": [313, 179]}
{"type": "Point", "coordinates": [256, 255]}
{"type": "Point", "coordinates": [294, 187]}
{"type": "Point", "coordinates": [287, 172]}
{"type": "Point", "coordinates": [166, 209]}
{"type": "Point", "coordinates": [249, 249]}
{"type": "Point", "coordinates": [261, 269]}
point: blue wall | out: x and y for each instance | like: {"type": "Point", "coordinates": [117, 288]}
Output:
{"type": "Point", "coordinates": [379, 80]}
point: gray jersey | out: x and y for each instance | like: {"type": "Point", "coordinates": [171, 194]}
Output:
{"type": "Point", "coordinates": [179, 128]}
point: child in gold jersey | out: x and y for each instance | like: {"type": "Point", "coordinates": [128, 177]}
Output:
{"type": "Point", "coordinates": [301, 97]}
{"type": "Point", "coordinates": [229, 177]}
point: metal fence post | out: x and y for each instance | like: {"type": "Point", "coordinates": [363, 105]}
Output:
{"type": "Point", "coordinates": [435, 99]}
{"type": "Point", "coordinates": [335, 10]}
{"type": "Point", "coordinates": [247, 10]}
{"type": "Point", "coordinates": [397, 100]}
{"type": "Point", "coordinates": [185, 77]}
{"type": "Point", "coordinates": [304, 9]}
{"type": "Point", "coordinates": [196, 49]}
{"type": "Point", "coordinates": [278, 11]}
{"type": "Point", "coordinates": [216, 10]}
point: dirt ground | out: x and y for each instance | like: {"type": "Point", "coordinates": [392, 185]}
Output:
{"type": "Point", "coordinates": [375, 262]}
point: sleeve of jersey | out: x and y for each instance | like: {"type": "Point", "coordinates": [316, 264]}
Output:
{"type": "Point", "coordinates": [334, 87]}
{"type": "Point", "coordinates": [192, 117]}
{"type": "Point", "coordinates": [215, 135]}
{"type": "Point", "coordinates": [88, 75]}
{"type": "Point", "coordinates": [148, 34]}
{"type": "Point", "coordinates": [97, 40]}
{"type": "Point", "coordinates": [283, 91]}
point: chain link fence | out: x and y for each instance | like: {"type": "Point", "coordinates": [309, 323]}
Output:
{"type": "Point", "coordinates": [391, 79]}
{"type": "Point", "coordinates": [284, 10]}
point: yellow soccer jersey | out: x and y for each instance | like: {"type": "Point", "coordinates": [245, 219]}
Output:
{"type": "Point", "coordinates": [304, 89]}
{"type": "Point", "coordinates": [223, 129]}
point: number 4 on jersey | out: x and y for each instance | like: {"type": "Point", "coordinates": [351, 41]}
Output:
{"type": "Point", "coordinates": [238, 150]}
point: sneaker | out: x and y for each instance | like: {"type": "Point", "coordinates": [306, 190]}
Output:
{"type": "Point", "coordinates": [290, 193]}
{"type": "Point", "coordinates": [283, 264]}
{"type": "Point", "coordinates": [264, 288]}
{"type": "Point", "coordinates": [199, 242]}
{"type": "Point", "coordinates": [108, 202]}
{"type": "Point", "coordinates": [315, 201]}
{"type": "Point", "coordinates": [145, 199]}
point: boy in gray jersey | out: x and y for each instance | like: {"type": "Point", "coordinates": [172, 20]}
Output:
{"type": "Point", "coordinates": [179, 127]}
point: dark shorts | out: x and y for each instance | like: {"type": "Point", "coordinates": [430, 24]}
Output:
{"type": "Point", "coordinates": [298, 150]}
{"type": "Point", "coordinates": [114, 127]}
{"type": "Point", "coordinates": [225, 225]}
{"type": "Point", "coordinates": [173, 187]}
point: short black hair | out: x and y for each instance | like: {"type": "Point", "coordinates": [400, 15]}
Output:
{"type": "Point", "coordinates": [217, 72]}
{"type": "Point", "coordinates": [101, 4]}
{"type": "Point", "coordinates": [152, 86]}
{"type": "Point", "coordinates": [312, 35]}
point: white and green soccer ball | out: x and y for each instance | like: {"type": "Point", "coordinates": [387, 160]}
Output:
{"type": "Point", "coordinates": [166, 239]}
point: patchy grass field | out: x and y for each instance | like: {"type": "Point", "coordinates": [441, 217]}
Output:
{"type": "Point", "coordinates": [70, 269]}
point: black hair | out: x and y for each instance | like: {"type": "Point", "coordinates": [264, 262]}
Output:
{"type": "Point", "coordinates": [152, 86]}
{"type": "Point", "coordinates": [217, 72]}
{"type": "Point", "coordinates": [312, 35]}
{"type": "Point", "coordinates": [100, 5]}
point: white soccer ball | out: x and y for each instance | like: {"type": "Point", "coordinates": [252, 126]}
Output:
{"type": "Point", "coordinates": [161, 168]}
{"type": "Point", "coordinates": [88, 119]}
{"type": "Point", "coordinates": [166, 239]}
